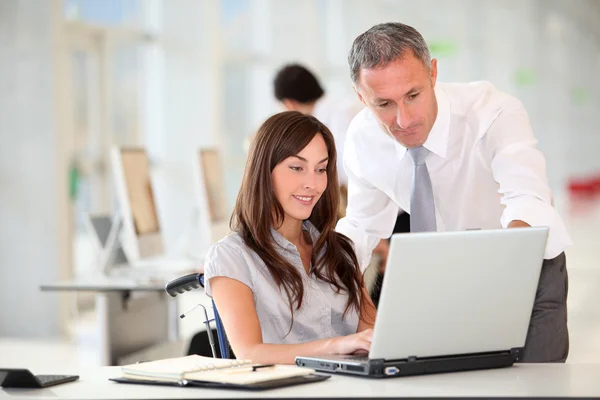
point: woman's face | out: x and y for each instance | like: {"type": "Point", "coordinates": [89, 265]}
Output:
{"type": "Point", "coordinates": [300, 180]}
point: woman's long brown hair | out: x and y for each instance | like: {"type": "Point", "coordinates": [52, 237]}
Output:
{"type": "Point", "coordinates": [257, 211]}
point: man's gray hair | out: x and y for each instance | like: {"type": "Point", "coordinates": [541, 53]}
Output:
{"type": "Point", "coordinates": [383, 44]}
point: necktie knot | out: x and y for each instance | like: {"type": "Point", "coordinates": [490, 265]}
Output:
{"type": "Point", "coordinates": [418, 155]}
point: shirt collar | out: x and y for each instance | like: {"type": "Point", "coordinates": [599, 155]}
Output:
{"type": "Point", "coordinates": [306, 226]}
{"type": "Point", "coordinates": [437, 141]}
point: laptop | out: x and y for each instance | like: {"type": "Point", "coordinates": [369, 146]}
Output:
{"type": "Point", "coordinates": [450, 301]}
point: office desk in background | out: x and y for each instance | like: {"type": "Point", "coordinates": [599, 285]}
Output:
{"type": "Point", "coordinates": [133, 313]}
{"type": "Point", "coordinates": [522, 380]}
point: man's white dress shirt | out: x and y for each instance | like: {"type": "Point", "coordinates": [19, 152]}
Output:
{"type": "Point", "coordinates": [484, 165]}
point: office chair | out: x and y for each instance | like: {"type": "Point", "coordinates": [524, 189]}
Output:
{"type": "Point", "coordinates": [194, 281]}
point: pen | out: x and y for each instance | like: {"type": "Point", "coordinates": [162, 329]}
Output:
{"type": "Point", "coordinates": [241, 370]}
{"type": "Point", "coordinates": [255, 367]}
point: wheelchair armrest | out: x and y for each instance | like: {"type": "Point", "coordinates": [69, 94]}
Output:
{"type": "Point", "coordinates": [184, 284]}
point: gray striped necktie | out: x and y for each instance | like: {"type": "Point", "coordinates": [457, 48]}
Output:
{"type": "Point", "coordinates": [422, 206]}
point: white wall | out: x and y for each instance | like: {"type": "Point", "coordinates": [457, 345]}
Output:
{"type": "Point", "coordinates": [190, 104]}
{"type": "Point", "coordinates": [33, 237]}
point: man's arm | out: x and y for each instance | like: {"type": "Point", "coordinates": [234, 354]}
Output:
{"type": "Point", "coordinates": [370, 217]}
{"type": "Point", "coordinates": [520, 170]}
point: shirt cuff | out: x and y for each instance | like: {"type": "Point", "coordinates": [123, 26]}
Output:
{"type": "Point", "coordinates": [538, 213]}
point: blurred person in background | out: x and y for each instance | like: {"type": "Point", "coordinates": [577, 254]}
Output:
{"type": "Point", "coordinates": [456, 157]}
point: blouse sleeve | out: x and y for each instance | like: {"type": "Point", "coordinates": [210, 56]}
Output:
{"type": "Point", "coordinates": [226, 259]}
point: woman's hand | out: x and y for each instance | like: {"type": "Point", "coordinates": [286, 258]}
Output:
{"type": "Point", "coordinates": [357, 342]}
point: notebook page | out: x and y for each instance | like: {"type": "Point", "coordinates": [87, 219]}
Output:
{"type": "Point", "coordinates": [175, 368]}
{"type": "Point", "coordinates": [245, 375]}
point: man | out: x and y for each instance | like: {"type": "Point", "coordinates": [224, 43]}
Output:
{"type": "Point", "coordinates": [473, 157]}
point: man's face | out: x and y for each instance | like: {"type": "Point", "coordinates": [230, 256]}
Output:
{"type": "Point", "coordinates": [401, 96]}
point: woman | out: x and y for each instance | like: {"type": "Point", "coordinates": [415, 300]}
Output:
{"type": "Point", "coordinates": [284, 282]}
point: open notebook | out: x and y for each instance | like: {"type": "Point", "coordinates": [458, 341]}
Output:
{"type": "Point", "coordinates": [196, 370]}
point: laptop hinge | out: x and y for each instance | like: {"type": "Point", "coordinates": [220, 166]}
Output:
{"type": "Point", "coordinates": [516, 353]}
{"type": "Point", "coordinates": [412, 359]}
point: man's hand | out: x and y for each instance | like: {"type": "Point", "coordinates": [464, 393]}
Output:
{"type": "Point", "coordinates": [517, 223]}
{"type": "Point", "coordinates": [382, 250]}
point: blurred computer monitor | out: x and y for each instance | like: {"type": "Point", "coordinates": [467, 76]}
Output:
{"type": "Point", "coordinates": [140, 234]}
{"type": "Point", "coordinates": [211, 195]}
{"type": "Point", "coordinates": [103, 230]}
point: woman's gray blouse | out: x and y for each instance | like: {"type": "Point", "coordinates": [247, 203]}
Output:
{"type": "Point", "coordinates": [321, 313]}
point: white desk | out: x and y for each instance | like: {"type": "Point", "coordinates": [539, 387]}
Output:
{"type": "Point", "coordinates": [522, 380]}
{"type": "Point", "coordinates": [133, 312]}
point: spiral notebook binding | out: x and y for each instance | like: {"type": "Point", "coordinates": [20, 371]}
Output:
{"type": "Point", "coordinates": [212, 367]}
